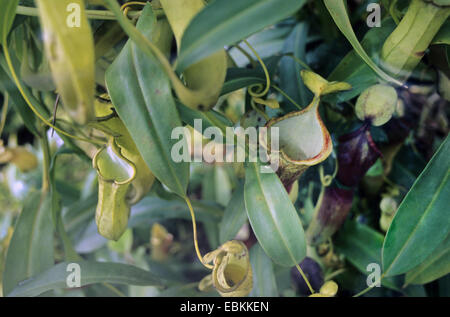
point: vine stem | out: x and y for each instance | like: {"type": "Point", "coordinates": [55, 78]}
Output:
{"type": "Point", "coordinates": [4, 112]}
{"type": "Point", "coordinates": [368, 288]}
{"type": "Point", "coordinates": [281, 91]}
{"type": "Point", "coordinates": [266, 73]}
{"type": "Point", "coordinates": [46, 161]}
{"type": "Point", "coordinates": [91, 14]}
{"type": "Point", "coordinates": [27, 100]}
{"type": "Point", "coordinates": [194, 228]}
{"type": "Point", "coordinates": [305, 278]}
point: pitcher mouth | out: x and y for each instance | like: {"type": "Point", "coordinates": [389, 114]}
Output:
{"type": "Point", "coordinates": [303, 137]}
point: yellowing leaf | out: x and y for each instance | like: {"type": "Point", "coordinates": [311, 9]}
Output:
{"type": "Point", "coordinates": [70, 48]}
{"type": "Point", "coordinates": [205, 78]}
{"type": "Point", "coordinates": [320, 86]}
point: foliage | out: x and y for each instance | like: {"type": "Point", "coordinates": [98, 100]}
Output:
{"type": "Point", "coordinates": [112, 166]}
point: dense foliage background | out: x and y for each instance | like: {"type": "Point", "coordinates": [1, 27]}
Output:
{"type": "Point", "coordinates": [375, 178]}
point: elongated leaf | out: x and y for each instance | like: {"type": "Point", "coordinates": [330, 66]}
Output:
{"type": "Point", "coordinates": [17, 101]}
{"type": "Point", "coordinates": [69, 251]}
{"type": "Point", "coordinates": [264, 284]}
{"type": "Point", "coordinates": [234, 216]}
{"type": "Point", "coordinates": [7, 15]}
{"type": "Point", "coordinates": [273, 217]}
{"type": "Point", "coordinates": [152, 209]}
{"type": "Point", "coordinates": [421, 222]}
{"type": "Point", "coordinates": [210, 118]}
{"type": "Point", "coordinates": [361, 246]}
{"type": "Point", "coordinates": [353, 70]}
{"type": "Point", "coordinates": [70, 48]}
{"type": "Point", "coordinates": [238, 78]}
{"type": "Point", "coordinates": [291, 81]}
{"type": "Point", "coordinates": [443, 36]}
{"type": "Point", "coordinates": [338, 11]}
{"type": "Point", "coordinates": [225, 22]}
{"type": "Point", "coordinates": [434, 267]}
{"type": "Point", "coordinates": [90, 273]}
{"type": "Point", "coordinates": [216, 185]}
{"type": "Point", "coordinates": [141, 94]}
{"type": "Point", "coordinates": [267, 43]}
{"type": "Point", "coordinates": [31, 249]}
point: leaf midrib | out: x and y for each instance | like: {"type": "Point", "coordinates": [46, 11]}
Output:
{"type": "Point", "coordinates": [272, 217]}
{"type": "Point", "coordinates": [416, 227]}
{"type": "Point", "coordinates": [134, 57]}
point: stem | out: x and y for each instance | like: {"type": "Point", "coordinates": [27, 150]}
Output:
{"type": "Point", "coordinates": [363, 291]}
{"type": "Point", "coordinates": [298, 60]}
{"type": "Point", "coordinates": [194, 228]}
{"type": "Point", "coordinates": [287, 96]}
{"type": "Point", "coordinates": [91, 14]}
{"type": "Point", "coordinates": [369, 288]}
{"type": "Point", "coordinates": [27, 100]}
{"type": "Point", "coordinates": [305, 278]}
{"type": "Point", "coordinates": [4, 112]}
{"type": "Point", "coordinates": [334, 274]}
{"type": "Point", "coordinates": [266, 73]}
{"type": "Point", "coordinates": [113, 289]}
{"type": "Point", "coordinates": [46, 161]}
{"type": "Point", "coordinates": [246, 54]}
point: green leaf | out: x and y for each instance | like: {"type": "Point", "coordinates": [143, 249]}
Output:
{"type": "Point", "coordinates": [273, 218]}
{"type": "Point", "coordinates": [264, 283]}
{"type": "Point", "coordinates": [361, 246]}
{"type": "Point", "coordinates": [69, 45]}
{"type": "Point", "coordinates": [90, 272]}
{"type": "Point", "coordinates": [338, 11]}
{"type": "Point", "coordinates": [210, 118]}
{"type": "Point", "coordinates": [434, 267]}
{"type": "Point", "coordinates": [291, 82]}
{"type": "Point", "coordinates": [421, 222]}
{"type": "Point", "coordinates": [69, 252]}
{"type": "Point", "coordinates": [267, 43]}
{"type": "Point", "coordinates": [7, 15]}
{"type": "Point", "coordinates": [443, 36]}
{"type": "Point", "coordinates": [216, 185]}
{"type": "Point", "coordinates": [31, 249]}
{"type": "Point", "coordinates": [353, 70]}
{"type": "Point", "coordinates": [225, 22]}
{"type": "Point", "coordinates": [234, 216]}
{"type": "Point", "coordinates": [152, 209]}
{"type": "Point", "coordinates": [141, 94]}
{"type": "Point", "coordinates": [18, 102]}
{"type": "Point", "coordinates": [238, 78]}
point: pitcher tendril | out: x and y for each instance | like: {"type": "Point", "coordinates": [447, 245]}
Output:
{"type": "Point", "coordinates": [266, 73]}
{"type": "Point", "coordinates": [126, 6]}
{"type": "Point", "coordinates": [28, 102]}
{"type": "Point", "coordinates": [194, 229]}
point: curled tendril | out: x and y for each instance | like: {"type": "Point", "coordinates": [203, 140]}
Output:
{"type": "Point", "coordinates": [259, 90]}
{"type": "Point", "coordinates": [326, 180]}
{"type": "Point", "coordinates": [232, 271]}
{"type": "Point", "coordinates": [126, 6]}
